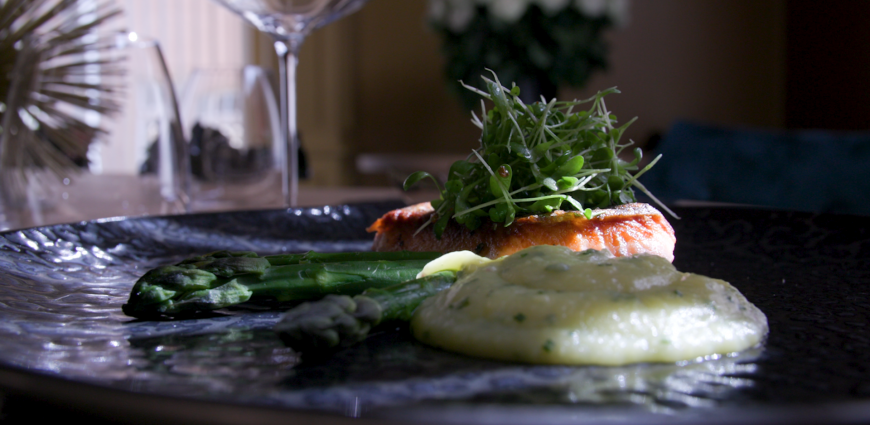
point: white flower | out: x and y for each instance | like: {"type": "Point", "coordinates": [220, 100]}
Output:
{"type": "Point", "coordinates": [617, 10]}
{"type": "Point", "coordinates": [459, 14]}
{"type": "Point", "coordinates": [437, 10]}
{"type": "Point", "coordinates": [550, 7]}
{"type": "Point", "coordinates": [508, 11]}
{"type": "Point", "coordinates": [592, 8]}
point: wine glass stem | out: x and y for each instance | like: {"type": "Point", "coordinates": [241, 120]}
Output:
{"type": "Point", "coordinates": [288, 54]}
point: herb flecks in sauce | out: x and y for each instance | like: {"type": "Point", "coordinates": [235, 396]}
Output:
{"type": "Point", "coordinates": [635, 309]}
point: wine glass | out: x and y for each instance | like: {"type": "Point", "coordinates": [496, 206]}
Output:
{"type": "Point", "coordinates": [289, 22]}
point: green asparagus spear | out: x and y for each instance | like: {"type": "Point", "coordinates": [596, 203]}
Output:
{"type": "Point", "coordinates": [338, 321]}
{"type": "Point", "coordinates": [225, 278]}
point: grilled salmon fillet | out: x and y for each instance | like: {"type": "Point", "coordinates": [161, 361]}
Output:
{"type": "Point", "coordinates": [623, 230]}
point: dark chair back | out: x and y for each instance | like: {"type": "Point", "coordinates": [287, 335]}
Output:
{"type": "Point", "coordinates": [805, 170]}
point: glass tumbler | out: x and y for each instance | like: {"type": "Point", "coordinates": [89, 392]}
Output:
{"type": "Point", "coordinates": [232, 125]}
{"type": "Point", "coordinates": [141, 159]}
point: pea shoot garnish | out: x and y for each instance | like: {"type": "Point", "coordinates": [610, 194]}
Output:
{"type": "Point", "coordinates": [535, 159]}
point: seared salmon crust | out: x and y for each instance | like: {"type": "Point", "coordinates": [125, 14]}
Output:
{"type": "Point", "coordinates": [624, 230]}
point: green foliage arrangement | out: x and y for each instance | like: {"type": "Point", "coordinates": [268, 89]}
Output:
{"type": "Point", "coordinates": [538, 44]}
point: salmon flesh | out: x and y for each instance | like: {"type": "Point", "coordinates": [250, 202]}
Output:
{"type": "Point", "coordinates": [623, 230]}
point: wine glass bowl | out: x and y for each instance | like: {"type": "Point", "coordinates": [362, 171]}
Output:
{"type": "Point", "coordinates": [289, 22]}
{"type": "Point", "coordinates": [291, 18]}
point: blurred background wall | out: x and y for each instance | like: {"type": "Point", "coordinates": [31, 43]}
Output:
{"type": "Point", "coordinates": [721, 61]}
{"type": "Point", "coordinates": [827, 61]}
{"type": "Point", "coordinates": [372, 83]}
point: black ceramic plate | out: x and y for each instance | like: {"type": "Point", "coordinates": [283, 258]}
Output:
{"type": "Point", "coordinates": [64, 339]}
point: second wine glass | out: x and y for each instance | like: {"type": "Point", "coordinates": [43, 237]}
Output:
{"type": "Point", "coordinates": [289, 22]}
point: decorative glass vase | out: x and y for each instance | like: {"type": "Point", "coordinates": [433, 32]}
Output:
{"type": "Point", "coordinates": [90, 132]}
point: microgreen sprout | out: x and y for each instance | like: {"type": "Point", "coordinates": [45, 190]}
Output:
{"type": "Point", "coordinates": [535, 159]}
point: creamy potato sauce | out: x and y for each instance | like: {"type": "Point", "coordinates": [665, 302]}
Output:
{"type": "Point", "coordinates": [549, 304]}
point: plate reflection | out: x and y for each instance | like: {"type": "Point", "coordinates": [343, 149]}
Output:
{"type": "Point", "coordinates": [391, 370]}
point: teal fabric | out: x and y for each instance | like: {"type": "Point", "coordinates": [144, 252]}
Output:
{"type": "Point", "coordinates": [807, 170]}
